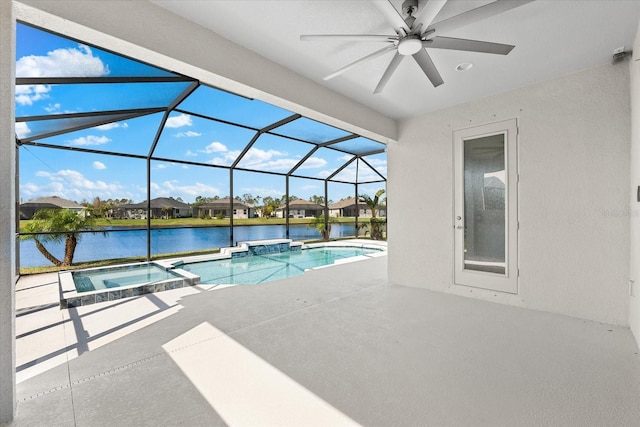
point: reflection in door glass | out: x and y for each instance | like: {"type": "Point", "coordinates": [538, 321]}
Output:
{"type": "Point", "coordinates": [484, 204]}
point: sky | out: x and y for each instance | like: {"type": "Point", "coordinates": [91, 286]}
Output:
{"type": "Point", "coordinates": [81, 176]}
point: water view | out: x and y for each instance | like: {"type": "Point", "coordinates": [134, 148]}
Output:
{"type": "Point", "coordinates": [131, 243]}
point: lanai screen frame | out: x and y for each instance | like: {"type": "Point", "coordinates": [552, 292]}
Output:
{"type": "Point", "coordinates": [97, 118]}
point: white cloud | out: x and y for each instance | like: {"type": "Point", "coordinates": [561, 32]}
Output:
{"type": "Point", "coordinates": [188, 134]}
{"type": "Point", "coordinates": [179, 121]}
{"type": "Point", "coordinates": [27, 95]}
{"type": "Point", "coordinates": [382, 170]}
{"type": "Point", "coordinates": [285, 164]}
{"type": "Point", "coordinates": [52, 108]}
{"type": "Point", "coordinates": [72, 62]}
{"type": "Point", "coordinates": [272, 165]}
{"type": "Point", "coordinates": [72, 185]}
{"type": "Point", "coordinates": [266, 160]}
{"type": "Point", "coordinates": [98, 165]}
{"type": "Point", "coordinates": [187, 192]}
{"type": "Point", "coordinates": [314, 163]}
{"type": "Point", "coordinates": [115, 125]}
{"type": "Point", "coordinates": [89, 140]}
{"type": "Point", "coordinates": [364, 173]}
{"type": "Point", "coordinates": [190, 153]}
{"type": "Point", "coordinates": [264, 192]}
{"type": "Point", "coordinates": [256, 156]}
{"type": "Point", "coordinates": [215, 147]}
{"type": "Point", "coordinates": [376, 162]}
{"type": "Point", "coordinates": [226, 159]}
{"type": "Point", "coordinates": [161, 166]}
{"type": "Point", "coordinates": [22, 129]}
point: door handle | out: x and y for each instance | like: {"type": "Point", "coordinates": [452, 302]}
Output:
{"type": "Point", "coordinates": [459, 227]}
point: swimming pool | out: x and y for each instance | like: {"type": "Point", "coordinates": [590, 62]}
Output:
{"type": "Point", "coordinates": [248, 263]}
{"type": "Point", "coordinates": [260, 268]}
{"type": "Point", "coordinates": [90, 286]}
{"type": "Point", "coordinates": [93, 280]}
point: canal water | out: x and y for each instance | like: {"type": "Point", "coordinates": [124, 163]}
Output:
{"type": "Point", "coordinates": [131, 243]}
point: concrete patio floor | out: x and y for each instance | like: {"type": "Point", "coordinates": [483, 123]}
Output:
{"type": "Point", "coordinates": [337, 346]}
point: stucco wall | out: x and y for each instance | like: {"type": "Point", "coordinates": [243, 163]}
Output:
{"type": "Point", "coordinates": [574, 147]}
{"type": "Point", "coordinates": [634, 300]}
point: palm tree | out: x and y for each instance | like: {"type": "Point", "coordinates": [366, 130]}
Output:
{"type": "Point", "coordinates": [375, 223]}
{"type": "Point", "coordinates": [58, 224]}
{"type": "Point", "coordinates": [318, 223]}
{"type": "Point", "coordinates": [372, 203]}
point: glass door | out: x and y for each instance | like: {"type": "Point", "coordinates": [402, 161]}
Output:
{"type": "Point", "coordinates": [485, 223]}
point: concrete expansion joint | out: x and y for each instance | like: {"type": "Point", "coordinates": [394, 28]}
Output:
{"type": "Point", "coordinates": [93, 377]}
{"type": "Point", "coordinates": [44, 393]}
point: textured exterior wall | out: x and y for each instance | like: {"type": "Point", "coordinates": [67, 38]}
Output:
{"type": "Point", "coordinates": [634, 299]}
{"type": "Point", "coordinates": [574, 146]}
{"type": "Point", "coordinates": [7, 212]}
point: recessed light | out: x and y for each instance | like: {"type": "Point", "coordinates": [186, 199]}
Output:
{"type": "Point", "coordinates": [465, 66]}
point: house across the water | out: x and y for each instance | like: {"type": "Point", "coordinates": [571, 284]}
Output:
{"type": "Point", "coordinates": [29, 209]}
{"type": "Point", "coordinates": [221, 208]}
{"type": "Point", "coordinates": [161, 207]}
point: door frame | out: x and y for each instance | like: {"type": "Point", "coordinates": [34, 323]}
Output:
{"type": "Point", "coordinates": [507, 282]}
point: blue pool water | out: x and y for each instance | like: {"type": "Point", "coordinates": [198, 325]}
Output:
{"type": "Point", "coordinates": [257, 269]}
{"type": "Point", "coordinates": [115, 277]}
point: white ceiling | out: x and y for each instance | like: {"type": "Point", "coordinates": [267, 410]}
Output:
{"type": "Point", "coordinates": [552, 37]}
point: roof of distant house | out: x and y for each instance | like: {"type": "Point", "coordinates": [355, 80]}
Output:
{"type": "Point", "coordinates": [158, 203]}
{"type": "Point", "coordinates": [345, 203]}
{"type": "Point", "coordinates": [351, 201]}
{"type": "Point", "coordinates": [302, 204]}
{"type": "Point", "coordinates": [55, 201]}
{"type": "Point", "coordinates": [224, 203]}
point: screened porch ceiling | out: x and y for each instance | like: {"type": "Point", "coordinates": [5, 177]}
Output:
{"type": "Point", "coordinates": [114, 90]}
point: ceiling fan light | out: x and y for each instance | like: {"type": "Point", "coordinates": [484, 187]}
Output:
{"type": "Point", "coordinates": [409, 45]}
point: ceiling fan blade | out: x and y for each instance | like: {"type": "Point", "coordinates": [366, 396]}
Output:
{"type": "Point", "coordinates": [392, 15]}
{"type": "Point", "coordinates": [349, 37]}
{"type": "Point", "coordinates": [467, 45]}
{"type": "Point", "coordinates": [360, 61]}
{"type": "Point", "coordinates": [388, 72]}
{"type": "Point", "coordinates": [427, 14]}
{"type": "Point", "coordinates": [428, 67]}
{"type": "Point", "coordinates": [474, 15]}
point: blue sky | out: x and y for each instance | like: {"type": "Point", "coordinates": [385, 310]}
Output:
{"type": "Point", "coordinates": [81, 176]}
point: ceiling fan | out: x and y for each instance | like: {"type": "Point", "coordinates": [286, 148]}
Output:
{"type": "Point", "coordinates": [415, 34]}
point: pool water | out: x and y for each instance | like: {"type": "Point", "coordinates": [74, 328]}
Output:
{"type": "Point", "coordinates": [255, 269]}
{"type": "Point", "coordinates": [93, 280]}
